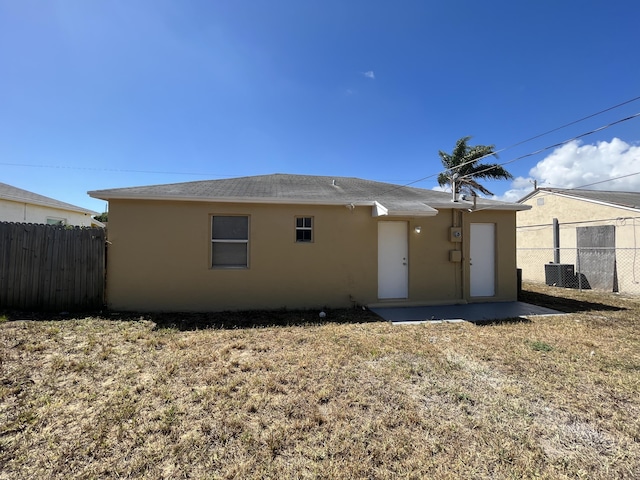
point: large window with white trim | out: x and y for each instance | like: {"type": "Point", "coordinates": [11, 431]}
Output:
{"type": "Point", "coordinates": [56, 221]}
{"type": "Point", "coordinates": [229, 241]}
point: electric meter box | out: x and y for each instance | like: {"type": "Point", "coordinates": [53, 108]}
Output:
{"type": "Point", "coordinates": [456, 234]}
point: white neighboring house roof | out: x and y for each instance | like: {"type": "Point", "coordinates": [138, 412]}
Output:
{"type": "Point", "coordinates": [624, 200]}
{"type": "Point", "coordinates": [384, 198]}
{"type": "Point", "coordinates": [15, 194]}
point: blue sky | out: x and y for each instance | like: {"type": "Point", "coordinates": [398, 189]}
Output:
{"type": "Point", "coordinates": [104, 94]}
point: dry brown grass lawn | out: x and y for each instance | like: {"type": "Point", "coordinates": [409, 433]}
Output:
{"type": "Point", "coordinates": [159, 397]}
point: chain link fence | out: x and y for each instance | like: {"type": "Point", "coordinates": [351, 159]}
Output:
{"type": "Point", "coordinates": [592, 268]}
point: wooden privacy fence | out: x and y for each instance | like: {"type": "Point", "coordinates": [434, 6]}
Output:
{"type": "Point", "coordinates": [51, 267]}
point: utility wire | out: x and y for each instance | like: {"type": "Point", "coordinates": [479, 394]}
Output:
{"type": "Point", "coordinates": [569, 124]}
{"type": "Point", "coordinates": [400, 186]}
{"type": "Point", "coordinates": [122, 170]}
{"type": "Point", "coordinates": [604, 127]}
{"type": "Point", "coordinates": [563, 143]}
{"type": "Point", "coordinates": [562, 190]}
{"type": "Point", "coordinates": [536, 137]}
{"type": "Point", "coordinates": [587, 185]}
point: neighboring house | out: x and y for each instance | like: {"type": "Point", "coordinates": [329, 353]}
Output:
{"type": "Point", "coordinates": [595, 242]}
{"type": "Point", "coordinates": [294, 241]}
{"type": "Point", "coordinates": [17, 205]}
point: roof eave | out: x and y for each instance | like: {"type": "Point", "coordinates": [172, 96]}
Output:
{"type": "Point", "coordinates": [30, 201]}
{"type": "Point", "coordinates": [183, 198]}
{"type": "Point", "coordinates": [569, 194]}
{"type": "Point", "coordinates": [481, 206]}
{"type": "Point", "coordinates": [431, 209]}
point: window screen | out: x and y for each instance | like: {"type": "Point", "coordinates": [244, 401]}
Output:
{"type": "Point", "coordinates": [230, 241]}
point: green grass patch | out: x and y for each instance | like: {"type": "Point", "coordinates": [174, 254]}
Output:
{"type": "Point", "coordinates": [539, 346]}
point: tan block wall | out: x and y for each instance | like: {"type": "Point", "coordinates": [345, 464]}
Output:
{"type": "Point", "coordinates": [160, 254]}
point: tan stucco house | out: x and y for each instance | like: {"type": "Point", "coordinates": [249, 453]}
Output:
{"type": "Point", "coordinates": [22, 206]}
{"type": "Point", "coordinates": [295, 241]}
{"type": "Point", "coordinates": [592, 235]}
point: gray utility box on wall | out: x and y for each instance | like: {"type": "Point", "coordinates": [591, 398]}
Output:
{"type": "Point", "coordinates": [559, 274]}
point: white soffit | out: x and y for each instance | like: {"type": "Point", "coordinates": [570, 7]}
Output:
{"type": "Point", "coordinates": [379, 210]}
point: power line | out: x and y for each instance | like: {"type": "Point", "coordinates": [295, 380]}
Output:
{"type": "Point", "coordinates": [569, 124]}
{"type": "Point", "coordinates": [601, 181]}
{"type": "Point", "coordinates": [546, 193]}
{"type": "Point", "coordinates": [563, 190]}
{"type": "Point", "coordinates": [121, 170]}
{"type": "Point", "coordinates": [400, 186]}
{"type": "Point", "coordinates": [604, 127]}
{"type": "Point", "coordinates": [534, 138]}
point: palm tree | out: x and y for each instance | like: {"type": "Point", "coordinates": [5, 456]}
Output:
{"type": "Point", "coordinates": [463, 167]}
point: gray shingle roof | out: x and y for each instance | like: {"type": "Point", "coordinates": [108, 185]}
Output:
{"type": "Point", "coordinates": [618, 199]}
{"type": "Point", "coordinates": [301, 189]}
{"type": "Point", "coordinates": [15, 194]}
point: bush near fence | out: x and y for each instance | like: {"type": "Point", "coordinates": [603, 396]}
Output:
{"type": "Point", "coordinates": [51, 267]}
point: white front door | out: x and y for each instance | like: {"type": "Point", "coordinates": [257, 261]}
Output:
{"type": "Point", "coordinates": [393, 260]}
{"type": "Point", "coordinates": [482, 261]}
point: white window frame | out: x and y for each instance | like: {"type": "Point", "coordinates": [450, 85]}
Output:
{"type": "Point", "coordinates": [56, 221]}
{"type": "Point", "coordinates": [229, 241]}
{"type": "Point", "coordinates": [304, 228]}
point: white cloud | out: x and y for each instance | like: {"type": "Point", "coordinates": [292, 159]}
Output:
{"type": "Point", "coordinates": [369, 74]}
{"type": "Point", "coordinates": [575, 165]}
{"type": "Point", "coordinates": [519, 188]}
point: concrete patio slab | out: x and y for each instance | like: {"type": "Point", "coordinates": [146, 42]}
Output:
{"type": "Point", "coordinates": [472, 312]}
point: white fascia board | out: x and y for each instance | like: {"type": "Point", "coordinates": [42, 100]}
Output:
{"type": "Point", "coordinates": [413, 213]}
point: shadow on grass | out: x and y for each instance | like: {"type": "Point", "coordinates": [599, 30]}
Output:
{"type": "Point", "coordinates": [189, 321]}
{"type": "Point", "coordinates": [500, 321]}
{"type": "Point", "coordinates": [186, 321]}
{"type": "Point", "coordinates": [564, 304]}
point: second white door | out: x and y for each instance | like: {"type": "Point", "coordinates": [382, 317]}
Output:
{"type": "Point", "coordinates": [482, 261]}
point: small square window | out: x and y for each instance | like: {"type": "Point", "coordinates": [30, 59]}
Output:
{"type": "Point", "coordinates": [304, 229]}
